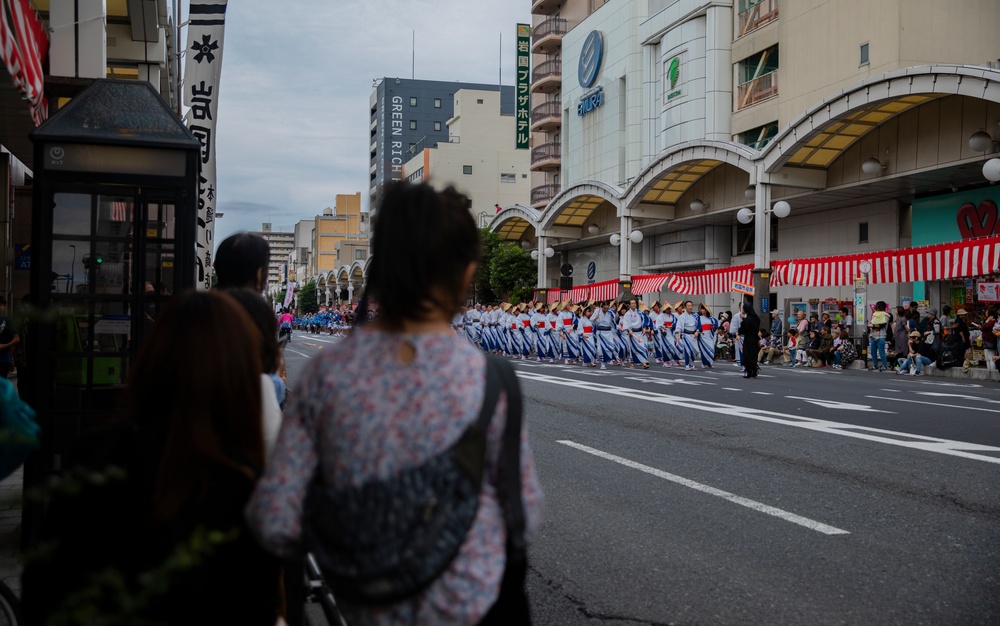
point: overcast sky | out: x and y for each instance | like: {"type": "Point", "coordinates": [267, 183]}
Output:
{"type": "Point", "coordinates": [293, 120]}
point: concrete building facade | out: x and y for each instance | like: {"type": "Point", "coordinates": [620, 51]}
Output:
{"type": "Point", "coordinates": [860, 124]}
{"type": "Point", "coordinates": [480, 161]}
{"type": "Point", "coordinates": [280, 246]}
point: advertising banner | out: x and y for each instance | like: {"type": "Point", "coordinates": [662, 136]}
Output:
{"type": "Point", "coordinates": [523, 95]}
{"type": "Point", "coordinates": [202, 68]}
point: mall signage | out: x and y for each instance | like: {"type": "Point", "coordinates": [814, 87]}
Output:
{"type": "Point", "coordinates": [523, 86]}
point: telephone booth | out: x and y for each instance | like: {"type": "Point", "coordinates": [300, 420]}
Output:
{"type": "Point", "coordinates": [113, 236]}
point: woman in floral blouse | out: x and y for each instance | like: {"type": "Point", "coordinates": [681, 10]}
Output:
{"type": "Point", "coordinates": [395, 393]}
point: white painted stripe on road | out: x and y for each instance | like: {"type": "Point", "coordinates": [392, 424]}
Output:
{"type": "Point", "coordinates": [725, 495]}
{"type": "Point", "coordinates": [308, 356]}
{"type": "Point", "coordinates": [731, 389]}
{"type": "Point", "coordinates": [950, 406]}
{"type": "Point", "coordinates": [878, 435]}
{"type": "Point", "coordinates": [762, 393]}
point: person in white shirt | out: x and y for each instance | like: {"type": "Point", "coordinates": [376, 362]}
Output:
{"type": "Point", "coordinates": [706, 337]}
{"type": "Point", "coordinates": [555, 339]}
{"type": "Point", "coordinates": [540, 323]}
{"type": "Point", "coordinates": [656, 317]}
{"type": "Point", "coordinates": [672, 352]}
{"type": "Point", "coordinates": [733, 330]}
{"type": "Point", "coordinates": [527, 335]}
{"type": "Point", "coordinates": [567, 328]}
{"type": "Point", "coordinates": [587, 338]}
{"type": "Point", "coordinates": [689, 327]}
{"type": "Point", "coordinates": [633, 333]}
{"type": "Point", "coordinates": [604, 325]}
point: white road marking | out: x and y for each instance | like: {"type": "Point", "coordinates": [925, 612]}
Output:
{"type": "Point", "coordinates": [905, 440]}
{"type": "Point", "coordinates": [762, 393]}
{"type": "Point", "coordinates": [950, 406]}
{"type": "Point", "coordinates": [725, 495]}
{"type": "Point", "coordinates": [308, 356]}
{"type": "Point", "coordinates": [956, 395]}
{"type": "Point", "coordinates": [731, 389]}
{"type": "Point", "coordinates": [843, 406]}
{"type": "Point", "coordinates": [892, 390]}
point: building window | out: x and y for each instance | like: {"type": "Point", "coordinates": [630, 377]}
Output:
{"type": "Point", "coordinates": [437, 103]}
{"type": "Point", "coordinates": [437, 126]}
{"type": "Point", "coordinates": [466, 169]}
{"type": "Point", "coordinates": [413, 101]}
{"type": "Point", "coordinates": [413, 147]}
{"type": "Point", "coordinates": [479, 100]}
{"type": "Point", "coordinates": [508, 178]}
{"type": "Point", "coordinates": [864, 54]}
{"type": "Point", "coordinates": [863, 232]}
{"type": "Point", "coordinates": [745, 234]}
{"type": "Point", "coordinates": [524, 175]}
{"type": "Point", "coordinates": [413, 124]}
{"type": "Point", "coordinates": [360, 255]}
{"type": "Point", "coordinates": [758, 78]}
{"type": "Point", "coordinates": [759, 137]}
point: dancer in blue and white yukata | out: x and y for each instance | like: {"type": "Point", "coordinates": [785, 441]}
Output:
{"type": "Point", "coordinates": [527, 335]}
{"type": "Point", "coordinates": [689, 327]}
{"type": "Point", "coordinates": [633, 324]}
{"type": "Point", "coordinates": [672, 352]}
{"type": "Point", "coordinates": [706, 340]}
{"type": "Point", "coordinates": [656, 330]}
{"type": "Point", "coordinates": [555, 339]}
{"type": "Point", "coordinates": [587, 338]}
{"type": "Point", "coordinates": [622, 355]}
{"type": "Point", "coordinates": [604, 326]}
{"type": "Point", "coordinates": [567, 327]}
{"type": "Point", "coordinates": [540, 323]}
{"type": "Point", "coordinates": [513, 329]}
{"type": "Point", "coordinates": [473, 324]}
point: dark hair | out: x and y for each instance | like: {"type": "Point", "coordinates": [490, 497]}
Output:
{"type": "Point", "coordinates": [262, 317]}
{"type": "Point", "coordinates": [238, 258]}
{"type": "Point", "coordinates": [210, 423]}
{"type": "Point", "coordinates": [422, 245]}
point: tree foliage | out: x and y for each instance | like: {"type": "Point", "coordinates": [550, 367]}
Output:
{"type": "Point", "coordinates": [512, 273]}
{"type": "Point", "coordinates": [482, 288]}
{"type": "Point", "coordinates": [307, 298]}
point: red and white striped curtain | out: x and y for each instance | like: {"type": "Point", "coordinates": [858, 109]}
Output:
{"type": "Point", "coordinates": [607, 290]}
{"type": "Point", "coordinates": [580, 293]}
{"type": "Point", "coordinates": [652, 283]}
{"type": "Point", "coordinates": [553, 296]}
{"type": "Point", "coordinates": [707, 282]}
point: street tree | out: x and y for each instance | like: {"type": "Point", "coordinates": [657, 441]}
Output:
{"type": "Point", "coordinates": [307, 298]}
{"type": "Point", "coordinates": [512, 273]}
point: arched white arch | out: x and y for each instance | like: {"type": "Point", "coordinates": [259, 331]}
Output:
{"type": "Point", "coordinates": [926, 80]}
{"type": "Point", "coordinates": [565, 199]}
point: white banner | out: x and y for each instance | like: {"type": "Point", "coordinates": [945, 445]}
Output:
{"type": "Point", "coordinates": [288, 294]}
{"type": "Point", "coordinates": [202, 68]}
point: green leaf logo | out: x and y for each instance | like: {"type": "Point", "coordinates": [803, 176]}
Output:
{"type": "Point", "coordinates": [674, 71]}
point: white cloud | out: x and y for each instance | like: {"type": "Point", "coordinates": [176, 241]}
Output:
{"type": "Point", "coordinates": [296, 79]}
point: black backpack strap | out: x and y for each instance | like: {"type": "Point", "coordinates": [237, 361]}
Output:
{"type": "Point", "coordinates": [492, 393]}
{"type": "Point", "coordinates": [514, 504]}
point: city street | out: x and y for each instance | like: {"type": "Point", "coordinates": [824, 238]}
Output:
{"type": "Point", "coordinates": [805, 496]}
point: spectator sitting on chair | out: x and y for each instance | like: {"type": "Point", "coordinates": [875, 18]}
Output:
{"type": "Point", "coordinates": [823, 353]}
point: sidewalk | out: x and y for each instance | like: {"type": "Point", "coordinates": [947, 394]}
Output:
{"type": "Point", "coordinates": [10, 530]}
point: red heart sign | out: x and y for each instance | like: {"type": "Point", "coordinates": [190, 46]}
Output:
{"type": "Point", "coordinates": [978, 221]}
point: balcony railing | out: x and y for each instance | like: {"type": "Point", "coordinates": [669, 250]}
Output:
{"type": "Point", "coordinates": [545, 152]}
{"type": "Point", "coordinates": [547, 69]}
{"type": "Point", "coordinates": [544, 193]}
{"type": "Point", "coordinates": [756, 15]}
{"type": "Point", "coordinates": [551, 26]}
{"type": "Point", "coordinates": [546, 109]}
{"type": "Point", "coordinates": [757, 90]}
{"type": "Point", "coordinates": [545, 7]}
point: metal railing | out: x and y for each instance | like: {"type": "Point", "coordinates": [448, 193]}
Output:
{"type": "Point", "coordinates": [547, 69]}
{"type": "Point", "coordinates": [544, 193]}
{"type": "Point", "coordinates": [551, 26]}
{"type": "Point", "coordinates": [543, 7]}
{"type": "Point", "coordinates": [544, 152]}
{"type": "Point", "coordinates": [546, 109]}
{"type": "Point", "coordinates": [757, 90]}
{"type": "Point", "coordinates": [756, 15]}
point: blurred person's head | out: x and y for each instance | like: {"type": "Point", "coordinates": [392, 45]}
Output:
{"type": "Point", "coordinates": [425, 248]}
{"type": "Point", "coordinates": [241, 261]}
{"type": "Point", "coordinates": [262, 317]}
{"type": "Point", "coordinates": [209, 421]}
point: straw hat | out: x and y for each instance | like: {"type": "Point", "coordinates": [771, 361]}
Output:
{"type": "Point", "coordinates": [505, 307]}
{"type": "Point", "coordinates": [679, 305]}
{"type": "Point", "coordinates": [915, 333]}
{"type": "Point", "coordinates": [572, 308]}
{"type": "Point", "coordinates": [642, 306]}
{"type": "Point", "coordinates": [556, 306]}
{"type": "Point", "coordinates": [656, 303]}
{"type": "Point", "coordinates": [666, 307]}
{"type": "Point", "coordinates": [961, 312]}
{"type": "Point", "coordinates": [707, 310]}
{"type": "Point", "coordinates": [589, 303]}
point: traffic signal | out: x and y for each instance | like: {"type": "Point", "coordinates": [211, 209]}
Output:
{"type": "Point", "coordinates": [93, 262]}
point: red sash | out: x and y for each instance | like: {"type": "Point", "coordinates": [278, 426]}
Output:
{"type": "Point", "coordinates": [706, 327]}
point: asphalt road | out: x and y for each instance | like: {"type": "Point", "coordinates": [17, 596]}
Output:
{"type": "Point", "coordinates": [806, 496]}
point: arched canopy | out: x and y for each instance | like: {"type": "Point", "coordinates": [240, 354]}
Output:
{"type": "Point", "coordinates": [358, 270]}
{"type": "Point", "coordinates": [828, 129]}
{"type": "Point", "coordinates": [513, 222]}
{"type": "Point", "coordinates": [321, 281]}
{"type": "Point", "coordinates": [343, 274]}
{"type": "Point", "coordinates": [569, 211]}
{"type": "Point", "coordinates": [663, 182]}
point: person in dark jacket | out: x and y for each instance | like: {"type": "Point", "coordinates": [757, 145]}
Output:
{"type": "Point", "coordinates": [749, 328]}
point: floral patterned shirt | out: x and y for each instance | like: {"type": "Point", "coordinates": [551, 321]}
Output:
{"type": "Point", "coordinates": [360, 414]}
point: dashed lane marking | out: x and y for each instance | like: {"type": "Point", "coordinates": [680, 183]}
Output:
{"type": "Point", "coordinates": [950, 406]}
{"type": "Point", "coordinates": [725, 495]}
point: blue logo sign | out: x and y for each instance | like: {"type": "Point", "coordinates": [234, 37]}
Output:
{"type": "Point", "coordinates": [590, 58]}
{"type": "Point", "coordinates": [591, 270]}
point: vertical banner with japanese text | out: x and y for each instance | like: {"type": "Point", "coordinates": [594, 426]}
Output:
{"type": "Point", "coordinates": [523, 95]}
{"type": "Point", "coordinates": [202, 68]}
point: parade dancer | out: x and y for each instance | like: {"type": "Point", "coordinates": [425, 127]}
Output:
{"type": "Point", "coordinates": [656, 321]}
{"type": "Point", "coordinates": [622, 342]}
{"type": "Point", "coordinates": [734, 331]}
{"type": "Point", "coordinates": [555, 332]}
{"type": "Point", "coordinates": [604, 324]}
{"type": "Point", "coordinates": [708, 326]}
{"type": "Point", "coordinates": [672, 352]}
{"type": "Point", "coordinates": [472, 324]}
{"type": "Point", "coordinates": [586, 337]}
{"type": "Point", "coordinates": [540, 322]}
{"type": "Point", "coordinates": [689, 327]}
{"type": "Point", "coordinates": [516, 339]}
{"type": "Point", "coordinates": [571, 340]}
{"type": "Point", "coordinates": [633, 324]}
{"type": "Point", "coordinates": [527, 335]}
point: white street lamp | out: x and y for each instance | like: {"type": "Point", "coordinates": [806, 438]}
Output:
{"type": "Point", "coordinates": [697, 205]}
{"type": "Point", "coordinates": [980, 141]}
{"type": "Point", "coordinates": [534, 255]}
{"type": "Point", "coordinates": [991, 170]}
{"type": "Point", "coordinates": [615, 239]}
{"type": "Point", "coordinates": [635, 236]}
{"type": "Point", "coordinates": [549, 252]}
